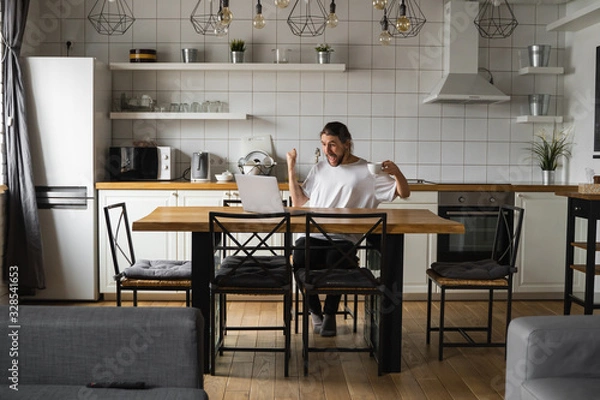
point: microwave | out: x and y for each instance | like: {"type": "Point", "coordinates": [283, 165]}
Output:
{"type": "Point", "coordinates": [140, 163]}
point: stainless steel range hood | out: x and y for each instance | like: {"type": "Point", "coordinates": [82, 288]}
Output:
{"type": "Point", "coordinates": [461, 82]}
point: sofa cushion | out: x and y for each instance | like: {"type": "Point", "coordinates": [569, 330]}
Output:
{"type": "Point", "coordinates": [560, 388]}
{"type": "Point", "coordinates": [66, 392]}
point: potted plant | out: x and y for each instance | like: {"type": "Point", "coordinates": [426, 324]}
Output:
{"type": "Point", "coordinates": [237, 47]}
{"type": "Point", "coordinates": [324, 53]}
{"type": "Point", "coordinates": [547, 151]}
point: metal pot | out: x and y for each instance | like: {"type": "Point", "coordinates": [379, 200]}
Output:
{"type": "Point", "coordinates": [256, 162]}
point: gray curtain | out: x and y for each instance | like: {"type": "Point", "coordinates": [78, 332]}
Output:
{"type": "Point", "coordinates": [23, 238]}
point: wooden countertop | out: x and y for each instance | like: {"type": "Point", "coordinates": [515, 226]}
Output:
{"type": "Point", "coordinates": [578, 195]}
{"type": "Point", "coordinates": [441, 187]}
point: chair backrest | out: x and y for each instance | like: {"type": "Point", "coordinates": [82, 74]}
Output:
{"type": "Point", "coordinates": [368, 238]}
{"type": "Point", "coordinates": [233, 235]}
{"type": "Point", "coordinates": [119, 235]}
{"type": "Point", "coordinates": [508, 234]}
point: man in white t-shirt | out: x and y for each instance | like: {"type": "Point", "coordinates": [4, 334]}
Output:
{"type": "Point", "coordinates": [342, 180]}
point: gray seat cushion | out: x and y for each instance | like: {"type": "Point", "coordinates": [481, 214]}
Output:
{"type": "Point", "coordinates": [68, 392]}
{"type": "Point", "coordinates": [159, 269]}
{"type": "Point", "coordinates": [561, 388]}
{"type": "Point", "coordinates": [482, 269]}
{"type": "Point", "coordinates": [264, 272]}
{"type": "Point", "coordinates": [338, 278]}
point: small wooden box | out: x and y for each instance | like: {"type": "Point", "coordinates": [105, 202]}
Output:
{"type": "Point", "coordinates": [589, 188]}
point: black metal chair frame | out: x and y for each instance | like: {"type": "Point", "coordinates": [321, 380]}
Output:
{"type": "Point", "coordinates": [239, 254]}
{"type": "Point", "coordinates": [504, 227]}
{"type": "Point", "coordinates": [314, 281]}
{"type": "Point", "coordinates": [121, 280]}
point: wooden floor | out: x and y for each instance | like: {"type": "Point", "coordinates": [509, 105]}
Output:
{"type": "Point", "coordinates": [465, 373]}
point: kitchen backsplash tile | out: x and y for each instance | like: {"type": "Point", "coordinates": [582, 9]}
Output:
{"type": "Point", "coordinates": [379, 95]}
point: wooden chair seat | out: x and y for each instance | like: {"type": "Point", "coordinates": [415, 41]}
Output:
{"type": "Point", "coordinates": [467, 283]}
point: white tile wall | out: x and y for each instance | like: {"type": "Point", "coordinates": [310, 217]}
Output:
{"type": "Point", "coordinates": [379, 96]}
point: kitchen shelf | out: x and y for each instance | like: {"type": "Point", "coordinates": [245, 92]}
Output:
{"type": "Point", "coordinates": [174, 115]}
{"type": "Point", "coordinates": [541, 71]}
{"type": "Point", "coordinates": [546, 119]}
{"type": "Point", "coordinates": [577, 20]}
{"type": "Point", "coordinates": [273, 67]}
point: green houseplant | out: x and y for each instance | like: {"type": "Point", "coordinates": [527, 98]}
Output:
{"type": "Point", "coordinates": [324, 53]}
{"type": "Point", "coordinates": [237, 47]}
{"type": "Point", "coordinates": [548, 149]}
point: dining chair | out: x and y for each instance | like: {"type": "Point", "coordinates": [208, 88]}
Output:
{"type": "Point", "coordinates": [141, 274]}
{"type": "Point", "coordinates": [493, 274]}
{"type": "Point", "coordinates": [350, 275]}
{"type": "Point", "coordinates": [249, 263]}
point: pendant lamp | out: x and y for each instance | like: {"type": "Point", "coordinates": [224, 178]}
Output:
{"type": "Point", "coordinates": [111, 17]}
{"type": "Point", "coordinates": [207, 18]}
{"type": "Point", "coordinates": [308, 18]}
{"type": "Point", "coordinates": [496, 19]}
{"type": "Point", "coordinates": [405, 18]}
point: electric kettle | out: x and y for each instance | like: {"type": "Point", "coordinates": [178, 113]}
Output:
{"type": "Point", "coordinates": [200, 168]}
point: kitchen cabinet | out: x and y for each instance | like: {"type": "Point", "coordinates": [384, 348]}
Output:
{"type": "Point", "coordinates": [541, 257]}
{"type": "Point", "coordinates": [151, 245]}
{"type": "Point", "coordinates": [419, 249]}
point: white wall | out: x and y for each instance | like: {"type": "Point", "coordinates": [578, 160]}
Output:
{"type": "Point", "coordinates": [580, 78]}
{"type": "Point", "coordinates": [379, 97]}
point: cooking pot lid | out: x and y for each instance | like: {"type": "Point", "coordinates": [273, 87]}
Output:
{"type": "Point", "coordinates": [257, 157]}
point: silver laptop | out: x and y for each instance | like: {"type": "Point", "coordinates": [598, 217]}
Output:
{"type": "Point", "coordinates": [261, 194]}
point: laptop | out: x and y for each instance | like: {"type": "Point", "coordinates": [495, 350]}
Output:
{"type": "Point", "coordinates": [261, 194]}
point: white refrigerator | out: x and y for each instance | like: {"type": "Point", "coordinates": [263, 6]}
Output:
{"type": "Point", "coordinates": [68, 105]}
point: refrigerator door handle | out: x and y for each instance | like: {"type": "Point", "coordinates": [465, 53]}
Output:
{"type": "Point", "coordinates": [61, 197]}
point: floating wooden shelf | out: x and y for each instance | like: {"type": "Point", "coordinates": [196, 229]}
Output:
{"type": "Point", "coordinates": [580, 19]}
{"type": "Point", "coordinates": [542, 71]}
{"type": "Point", "coordinates": [174, 115]}
{"type": "Point", "coordinates": [227, 67]}
{"type": "Point", "coordinates": [542, 119]}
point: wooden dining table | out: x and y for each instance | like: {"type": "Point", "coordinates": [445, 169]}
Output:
{"type": "Point", "coordinates": [399, 222]}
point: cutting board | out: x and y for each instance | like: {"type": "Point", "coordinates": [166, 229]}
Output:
{"type": "Point", "coordinates": [253, 143]}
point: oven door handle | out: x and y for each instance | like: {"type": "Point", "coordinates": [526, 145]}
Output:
{"type": "Point", "coordinates": [471, 213]}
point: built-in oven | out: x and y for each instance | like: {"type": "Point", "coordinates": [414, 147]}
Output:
{"type": "Point", "coordinates": [478, 212]}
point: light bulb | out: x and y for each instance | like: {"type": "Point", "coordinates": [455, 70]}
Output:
{"type": "Point", "coordinates": [225, 16]}
{"type": "Point", "coordinates": [221, 30]}
{"type": "Point", "coordinates": [332, 20]}
{"type": "Point", "coordinates": [379, 4]}
{"type": "Point", "coordinates": [282, 3]}
{"type": "Point", "coordinates": [259, 21]}
{"type": "Point", "coordinates": [385, 38]}
{"type": "Point", "coordinates": [403, 23]}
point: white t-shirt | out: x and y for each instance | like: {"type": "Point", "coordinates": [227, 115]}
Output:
{"type": "Point", "coordinates": [347, 186]}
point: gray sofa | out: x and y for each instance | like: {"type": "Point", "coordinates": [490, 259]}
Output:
{"type": "Point", "coordinates": [553, 357]}
{"type": "Point", "coordinates": [54, 352]}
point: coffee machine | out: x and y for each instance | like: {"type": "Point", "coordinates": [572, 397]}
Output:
{"type": "Point", "coordinates": [200, 168]}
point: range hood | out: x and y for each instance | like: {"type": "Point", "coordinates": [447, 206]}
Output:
{"type": "Point", "coordinates": [461, 82]}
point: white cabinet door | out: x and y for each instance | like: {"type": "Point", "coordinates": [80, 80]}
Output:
{"type": "Point", "coordinates": [419, 249]}
{"type": "Point", "coordinates": [190, 198]}
{"type": "Point", "coordinates": [541, 261]}
{"type": "Point", "coordinates": [150, 245]}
